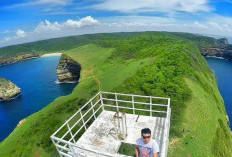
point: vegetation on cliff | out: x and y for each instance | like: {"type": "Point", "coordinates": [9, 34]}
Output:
{"type": "Point", "coordinates": [149, 63]}
{"type": "Point", "coordinates": [204, 41]}
{"type": "Point", "coordinates": [57, 44]}
{"type": "Point", "coordinates": [13, 53]}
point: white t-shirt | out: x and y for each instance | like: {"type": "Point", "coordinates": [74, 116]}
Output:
{"type": "Point", "coordinates": [147, 150]}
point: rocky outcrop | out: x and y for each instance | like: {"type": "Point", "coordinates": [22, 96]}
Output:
{"type": "Point", "coordinates": [9, 60]}
{"type": "Point", "coordinates": [223, 50]}
{"type": "Point", "coordinates": [68, 70]}
{"type": "Point", "coordinates": [225, 53]}
{"type": "Point", "coordinates": [8, 90]}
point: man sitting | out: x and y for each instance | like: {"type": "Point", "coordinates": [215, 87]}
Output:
{"type": "Point", "coordinates": [145, 146]}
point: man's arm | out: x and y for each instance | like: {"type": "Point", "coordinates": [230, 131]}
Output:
{"type": "Point", "coordinates": [136, 151]}
{"type": "Point", "coordinates": [155, 154]}
{"type": "Point", "coordinates": [155, 149]}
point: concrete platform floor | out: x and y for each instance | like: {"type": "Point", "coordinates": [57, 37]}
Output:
{"type": "Point", "coordinates": [100, 136]}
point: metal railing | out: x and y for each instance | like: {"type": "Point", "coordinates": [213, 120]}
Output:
{"type": "Point", "coordinates": [67, 135]}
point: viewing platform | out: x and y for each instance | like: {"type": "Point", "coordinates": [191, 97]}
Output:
{"type": "Point", "coordinates": [109, 119]}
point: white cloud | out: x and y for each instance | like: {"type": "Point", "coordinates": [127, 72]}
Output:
{"type": "Point", "coordinates": [20, 33]}
{"type": "Point", "coordinates": [47, 29]}
{"type": "Point", "coordinates": [165, 6]}
{"type": "Point", "coordinates": [42, 2]}
{"type": "Point", "coordinates": [46, 26]}
{"type": "Point", "coordinates": [213, 25]}
{"type": "Point", "coordinates": [84, 22]}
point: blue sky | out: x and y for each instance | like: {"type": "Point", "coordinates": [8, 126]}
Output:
{"type": "Point", "coordinates": [30, 20]}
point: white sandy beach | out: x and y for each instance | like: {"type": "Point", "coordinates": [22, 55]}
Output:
{"type": "Point", "coordinates": [51, 54]}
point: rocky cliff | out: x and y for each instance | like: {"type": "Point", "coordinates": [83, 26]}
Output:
{"type": "Point", "coordinates": [218, 52]}
{"type": "Point", "coordinates": [209, 46]}
{"type": "Point", "coordinates": [8, 90]}
{"type": "Point", "coordinates": [68, 70]}
{"type": "Point", "coordinates": [221, 49]}
{"type": "Point", "coordinates": [9, 60]}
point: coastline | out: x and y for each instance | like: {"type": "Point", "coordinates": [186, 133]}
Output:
{"type": "Point", "coordinates": [33, 57]}
{"type": "Point", "coordinates": [18, 61]}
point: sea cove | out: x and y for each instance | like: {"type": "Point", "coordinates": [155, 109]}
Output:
{"type": "Point", "coordinates": [37, 79]}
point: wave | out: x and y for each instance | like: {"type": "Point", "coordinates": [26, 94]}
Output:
{"type": "Point", "coordinates": [14, 97]}
{"type": "Point", "coordinates": [215, 57]}
{"type": "Point", "coordinates": [58, 82]}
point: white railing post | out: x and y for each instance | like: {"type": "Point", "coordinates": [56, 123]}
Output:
{"type": "Point", "coordinates": [133, 104]}
{"type": "Point", "coordinates": [82, 120]}
{"type": "Point", "coordinates": [116, 130]}
{"type": "Point", "coordinates": [168, 107]}
{"type": "Point", "coordinates": [72, 150]}
{"type": "Point", "coordinates": [93, 109]}
{"type": "Point", "coordinates": [102, 101]}
{"type": "Point", "coordinates": [167, 132]}
{"type": "Point", "coordinates": [150, 106]}
{"type": "Point", "coordinates": [116, 99]}
{"type": "Point", "coordinates": [71, 133]}
{"type": "Point", "coordinates": [56, 147]}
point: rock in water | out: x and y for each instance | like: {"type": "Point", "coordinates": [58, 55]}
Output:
{"type": "Point", "coordinates": [8, 89]}
{"type": "Point", "coordinates": [68, 70]}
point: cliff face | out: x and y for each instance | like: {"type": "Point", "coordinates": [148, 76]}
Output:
{"type": "Point", "coordinates": [222, 49]}
{"type": "Point", "coordinates": [8, 90]}
{"type": "Point", "coordinates": [68, 70]}
{"type": "Point", "coordinates": [10, 60]}
{"type": "Point", "coordinates": [225, 53]}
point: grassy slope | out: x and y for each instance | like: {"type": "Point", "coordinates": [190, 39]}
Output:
{"type": "Point", "coordinates": [94, 68]}
{"type": "Point", "coordinates": [204, 117]}
{"type": "Point", "coordinates": [99, 72]}
{"type": "Point", "coordinates": [202, 113]}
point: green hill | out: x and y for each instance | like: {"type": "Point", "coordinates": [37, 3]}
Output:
{"type": "Point", "coordinates": [148, 63]}
{"type": "Point", "coordinates": [58, 44]}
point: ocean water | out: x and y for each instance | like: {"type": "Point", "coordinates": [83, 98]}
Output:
{"type": "Point", "coordinates": [223, 71]}
{"type": "Point", "coordinates": [36, 78]}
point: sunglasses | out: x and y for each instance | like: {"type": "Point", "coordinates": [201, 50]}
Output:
{"type": "Point", "coordinates": [144, 137]}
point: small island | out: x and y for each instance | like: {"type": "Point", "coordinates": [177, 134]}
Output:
{"type": "Point", "coordinates": [8, 90]}
{"type": "Point", "coordinates": [68, 70]}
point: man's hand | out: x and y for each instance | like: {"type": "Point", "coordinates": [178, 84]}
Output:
{"type": "Point", "coordinates": [155, 154]}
